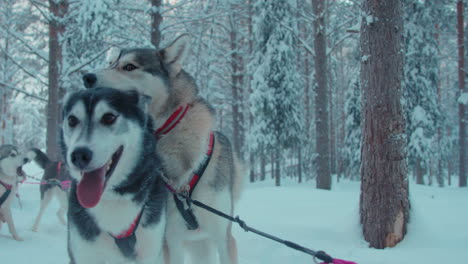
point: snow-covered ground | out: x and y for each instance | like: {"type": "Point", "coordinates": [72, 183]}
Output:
{"type": "Point", "coordinates": [320, 220]}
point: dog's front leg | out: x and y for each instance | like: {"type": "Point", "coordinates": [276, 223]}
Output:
{"type": "Point", "coordinates": [11, 226]}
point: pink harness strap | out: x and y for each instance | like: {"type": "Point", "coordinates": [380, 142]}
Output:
{"type": "Point", "coordinates": [340, 261]}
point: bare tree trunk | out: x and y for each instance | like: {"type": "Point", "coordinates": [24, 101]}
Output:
{"type": "Point", "coordinates": [278, 167]}
{"type": "Point", "coordinates": [252, 169]}
{"type": "Point", "coordinates": [235, 90]}
{"type": "Point", "coordinates": [384, 204]}
{"type": "Point", "coordinates": [440, 169]}
{"type": "Point", "coordinates": [461, 83]}
{"type": "Point", "coordinates": [272, 165]}
{"type": "Point", "coordinates": [262, 168]}
{"type": "Point", "coordinates": [58, 9]}
{"type": "Point", "coordinates": [249, 88]}
{"type": "Point", "coordinates": [299, 164]}
{"type": "Point", "coordinates": [156, 20]}
{"type": "Point", "coordinates": [419, 172]}
{"type": "Point", "coordinates": [332, 133]}
{"type": "Point", "coordinates": [342, 125]}
{"type": "Point", "coordinates": [321, 100]}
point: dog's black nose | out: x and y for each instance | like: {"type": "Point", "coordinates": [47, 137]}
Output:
{"type": "Point", "coordinates": [81, 157]}
{"type": "Point", "coordinates": [89, 80]}
{"type": "Point", "coordinates": [25, 160]}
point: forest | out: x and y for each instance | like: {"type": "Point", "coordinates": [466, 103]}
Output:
{"type": "Point", "coordinates": [315, 92]}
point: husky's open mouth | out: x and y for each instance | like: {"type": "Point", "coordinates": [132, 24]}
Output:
{"type": "Point", "coordinates": [20, 172]}
{"type": "Point", "coordinates": [92, 185]}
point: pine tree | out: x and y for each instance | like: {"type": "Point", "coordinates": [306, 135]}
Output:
{"type": "Point", "coordinates": [278, 121]}
{"type": "Point", "coordinates": [352, 145]}
{"type": "Point", "coordinates": [421, 80]}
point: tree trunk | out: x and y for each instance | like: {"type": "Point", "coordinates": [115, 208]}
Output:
{"type": "Point", "coordinates": [278, 167]}
{"type": "Point", "coordinates": [332, 133]}
{"type": "Point", "coordinates": [235, 91]}
{"type": "Point", "coordinates": [58, 9]}
{"type": "Point", "coordinates": [272, 165]}
{"type": "Point", "coordinates": [419, 172]}
{"type": "Point", "coordinates": [249, 88]}
{"type": "Point", "coordinates": [384, 204]}
{"type": "Point", "coordinates": [156, 20]}
{"type": "Point", "coordinates": [262, 168]}
{"type": "Point", "coordinates": [252, 169]}
{"type": "Point", "coordinates": [321, 100]}
{"type": "Point", "coordinates": [299, 164]}
{"type": "Point", "coordinates": [461, 83]}
{"type": "Point", "coordinates": [440, 169]}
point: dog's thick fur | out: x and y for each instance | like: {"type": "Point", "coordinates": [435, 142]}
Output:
{"type": "Point", "coordinates": [159, 74]}
{"type": "Point", "coordinates": [54, 172]}
{"type": "Point", "coordinates": [107, 141]}
{"type": "Point", "coordinates": [11, 162]}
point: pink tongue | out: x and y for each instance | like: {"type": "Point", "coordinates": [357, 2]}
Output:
{"type": "Point", "coordinates": [91, 187]}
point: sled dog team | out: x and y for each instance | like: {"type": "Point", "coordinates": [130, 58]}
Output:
{"type": "Point", "coordinates": [135, 138]}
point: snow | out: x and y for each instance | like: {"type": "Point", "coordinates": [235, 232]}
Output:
{"type": "Point", "coordinates": [320, 220]}
{"type": "Point", "coordinates": [463, 99]}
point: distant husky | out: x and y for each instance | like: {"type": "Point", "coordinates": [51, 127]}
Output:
{"type": "Point", "coordinates": [11, 171]}
{"type": "Point", "coordinates": [185, 123]}
{"type": "Point", "coordinates": [117, 205]}
{"type": "Point", "coordinates": [55, 172]}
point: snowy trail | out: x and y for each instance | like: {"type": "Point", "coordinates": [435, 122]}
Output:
{"type": "Point", "coordinates": [320, 220]}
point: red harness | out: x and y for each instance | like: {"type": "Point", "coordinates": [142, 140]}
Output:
{"type": "Point", "coordinates": [59, 166]}
{"type": "Point", "coordinates": [186, 211]}
{"type": "Point", "coordinates": [198, 173]}
{"type": "Point", "coordinates": [126, 239]}
{"type": "Point", "coordinates": [172, 121]}
{"type": "Point", "coordinates": [5, 195]}
{"type": "Point", "coordinates": [131, 230]}
{"type": "Point", "coordinates": [6, 185]}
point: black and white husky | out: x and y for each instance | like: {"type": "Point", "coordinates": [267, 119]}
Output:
{"type": "Point", "coordinates": [196, 159]}
{"type": "Point", "coordinates": [117, 202]}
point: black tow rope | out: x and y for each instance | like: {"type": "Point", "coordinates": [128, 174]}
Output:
{"type": "Point", "coordinates": [317, 254]}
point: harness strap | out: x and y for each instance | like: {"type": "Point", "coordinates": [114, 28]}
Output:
{"type": "Point", "coordinates": [201, 170]}
{"type": "Point", "coordinates": [59, 166]}
{"type": "Point", "coordinates": [126, 240]}
{"type": "Point", "coordinates": [5, 195]}
{"type": "Point", "coordinates": [6, 185]}
{"type": "Point", "coordinates": [172, 121]}
{"type": "Point", "coordinates": [186, 209]}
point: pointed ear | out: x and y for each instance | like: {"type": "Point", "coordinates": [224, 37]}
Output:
{"type": "Point", "coordinates": [174, 55]}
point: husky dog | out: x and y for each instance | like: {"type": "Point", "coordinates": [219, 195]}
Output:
{"type": "Point", "coordinates": [117, 203]}
{"type": "Point", "coordinates": [55, 172]}
{"type": "Point", "coordinates": [11, 171]}
{"type": "Point", "coordinates": [185, 123]}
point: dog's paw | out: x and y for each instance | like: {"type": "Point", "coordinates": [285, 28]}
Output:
{"type": "Point", "coordinates": [17, 238]}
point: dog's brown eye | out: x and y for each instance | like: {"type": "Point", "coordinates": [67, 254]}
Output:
{"type": "Point", "coordinates": [13, 155]}
{"type": "Point", "coordinates": [129, 67]}
{"type": "Point", "coordinates": [108, 119]}
{"type": "Point", "coordinates": [73, 121]}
